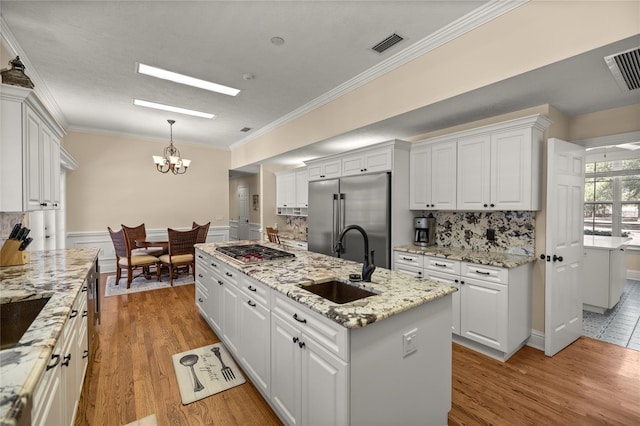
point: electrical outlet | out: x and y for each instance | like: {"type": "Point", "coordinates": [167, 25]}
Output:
{"type": "Point", "coordinates": [491, 234]}
{"type": "Point", "coordinates": [409, 342]}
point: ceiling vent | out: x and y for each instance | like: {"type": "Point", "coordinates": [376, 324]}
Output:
{"type": "Point", "coordinates": [245, 129]}
{"type": "Point", "coordinates": [625, 67]}
{"type": "Point", "coordinates": [388, 42]}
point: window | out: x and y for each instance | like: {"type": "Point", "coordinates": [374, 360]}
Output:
{"type": "Point", "coordinates": [612, 199]}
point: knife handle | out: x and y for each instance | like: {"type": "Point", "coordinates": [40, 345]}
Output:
{"type": "Point", "coordinates": [25, 243]}
{"type": "Point", "coordinates": [14, 231]}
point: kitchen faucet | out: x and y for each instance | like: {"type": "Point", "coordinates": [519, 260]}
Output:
{"type": "Point", "coordinates": [367, 268]}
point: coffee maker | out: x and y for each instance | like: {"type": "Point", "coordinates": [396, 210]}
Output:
{"type": "Point", "coordinates": [425, 231]}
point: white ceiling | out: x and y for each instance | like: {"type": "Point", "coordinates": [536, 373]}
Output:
{"type": "Point", "coordinates": [84, 53]}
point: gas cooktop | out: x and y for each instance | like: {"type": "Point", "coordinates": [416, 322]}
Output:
{"type": "Point", "coordinates": [250, 253]}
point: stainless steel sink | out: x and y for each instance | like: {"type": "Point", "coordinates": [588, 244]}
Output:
{"type": "Point", "coordinates": [15, 319]}
{"type": "Point", "coordinates": [338, 291]}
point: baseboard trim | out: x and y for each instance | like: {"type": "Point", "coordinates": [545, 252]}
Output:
{"type": "Point", "coordinates": [633, 275]}
{"type": "Point", "coordinates": [536, 340]}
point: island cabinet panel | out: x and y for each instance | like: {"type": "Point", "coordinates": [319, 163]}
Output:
{"type": "Point", "coordinates": [47, 397]}
{"type": "Point", "coordinates": [319, 376]}
{"type": "Point", "coordinates": [230, 320]}
{"type": "Point", "coordinates": [255, 343]}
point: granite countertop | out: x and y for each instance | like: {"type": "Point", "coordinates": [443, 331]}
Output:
{"type": "Point", "coordinates": [502, 260]}
{"type": "Point", "coordinates": [397, 292]}
{"type": "Point", "coordinates": [296, 236]}
{"type": "Point", "coordinates": [58, 274]}
{"type": "Point", "coordinates": [604, 242]}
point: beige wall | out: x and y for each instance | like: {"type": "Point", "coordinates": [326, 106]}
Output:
{"type": "Point", "coordinates": [543, 31]}
{"type": "Point", "coordinates": [116, 182]}
{"type": "Point", "coordinates": [603, 123]}
{"type": "Point", "coordinates": [253, 182]}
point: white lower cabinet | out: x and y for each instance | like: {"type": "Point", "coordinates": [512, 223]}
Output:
{"type": "Point", "coordinates": [309, 383]}
{"type": "Point", "coordinates": [604, 278]}
{"type": "Point", "coordinates": [255, 329]}
{"type": "Point", "coordinates": [492, 305]}
{"type": "Point", "coordinates": [56, 397]}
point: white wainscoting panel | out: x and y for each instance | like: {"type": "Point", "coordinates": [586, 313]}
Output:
{"type": "Point", "coordinates": [107, 255]}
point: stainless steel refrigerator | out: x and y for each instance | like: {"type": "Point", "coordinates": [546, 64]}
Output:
{"type": "Point", "coordinates": [354, 200]}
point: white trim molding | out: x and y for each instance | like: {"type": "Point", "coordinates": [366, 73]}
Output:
{"type": "Point", "coordinates": [536, 340]}
{"type": "Point", "coordinates": [107, 255]}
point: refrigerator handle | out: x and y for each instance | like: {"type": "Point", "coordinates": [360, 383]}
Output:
{"type": "Point", "coordinates": [334, 221]}
{"type": "Point", "coordinates": [342, 223]}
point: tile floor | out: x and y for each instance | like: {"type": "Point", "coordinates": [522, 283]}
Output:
{"type": "Point", "coordinates": [620, 325]}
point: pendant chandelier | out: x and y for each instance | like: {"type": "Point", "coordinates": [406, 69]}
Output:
{"type": "Point", "coordinates": [171, 160]}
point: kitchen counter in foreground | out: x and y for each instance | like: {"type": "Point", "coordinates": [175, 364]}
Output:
{"type": "Point", "coordinates": [58, 274]}
{"type": "Point", "coordinates": [396, 291]}
{"type": "Point", "coordinates": [604, 242]}
{"type": "Point", "coordinates": [502, 260]}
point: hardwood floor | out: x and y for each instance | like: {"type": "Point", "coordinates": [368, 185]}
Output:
{"type": "Point", "coordinates": [590, 382]}
{"type": "Point", "coordinates": [132, 375]}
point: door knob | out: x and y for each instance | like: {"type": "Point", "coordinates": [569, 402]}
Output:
{"type": "Point", "coordinates": [558, 258]}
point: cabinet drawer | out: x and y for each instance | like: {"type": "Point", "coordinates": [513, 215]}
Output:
{"type": "Point", "coordinates": [414, 271]}
{"type": "Point", "coordinates": [492, 274]}
{"type": "Point", "coordinates": [408, 259]}
{"type": "Point", "coordinates": [256, 291]}
{"type": "Point", "coordinates": [225, 273]}
{"type": "Point", "coordinates": [327, 333]}
{"type": "Point", "coordinates": [441, 264]}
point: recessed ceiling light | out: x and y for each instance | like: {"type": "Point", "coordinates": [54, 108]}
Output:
{"type": "Point", "coordinates": [185, 79]}
{"type": "Point", "coordinates": [172, 108]}
{"type": "Point", "coordinates": [278, 41]}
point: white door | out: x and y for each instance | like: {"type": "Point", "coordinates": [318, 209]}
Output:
{"type": "Point", "coordinates": [243, 212]}
{"type": "Point", "coordinates": [564, 254]}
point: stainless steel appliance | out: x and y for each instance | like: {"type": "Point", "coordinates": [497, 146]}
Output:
{"type": "Point", "coordinates": [354, 200]}
{"type": "Point", "coordinates": [425, 231]}
{"type": "Point", "coordinates": [249, 253]}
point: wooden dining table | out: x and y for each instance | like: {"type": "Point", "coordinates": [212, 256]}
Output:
{"type": "Point", "coordinates": [152, 243]}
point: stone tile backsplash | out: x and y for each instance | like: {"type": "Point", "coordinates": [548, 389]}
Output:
{"type": "Point", "coordinates": [514, 231]}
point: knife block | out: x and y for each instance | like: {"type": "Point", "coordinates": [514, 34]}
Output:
{"type": "Point", "coordinates": [10, 255]}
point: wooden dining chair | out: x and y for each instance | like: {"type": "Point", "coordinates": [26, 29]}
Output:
{"type": "Point", "coordinates": [139, 232]}
{"type": "Point", "coordinates": [202, 234]}
{"type": "Point", "coordinates": [273, 235]}
{"type": "Point", "coordinates": [126, 260]}
{"type": "Point", "coordinates": [181, 251]}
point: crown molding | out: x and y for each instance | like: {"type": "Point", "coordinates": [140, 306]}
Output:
{"type": "Point", "coordinates": [40, 87]}
{"type": "Point", "coordinates": [478, 17]}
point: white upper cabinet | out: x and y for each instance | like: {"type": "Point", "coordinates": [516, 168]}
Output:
{"type": "Point", "coordinates": [326, 169]}
{"type": "Point", "coordinates": [378, 160]}
{"type": "Point", "coordinates": [494, 167]}
{"type": "Point", "coordinates": [432, 182]}
{"type": "Point", "coordinates": [30, 161]}
{"type": "Point", "coordinates": [292, 192]}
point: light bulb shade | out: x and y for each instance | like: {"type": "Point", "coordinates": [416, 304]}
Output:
{"type": "Point", "coordinates": [174, 160]}
{"type": "Point", "coordinates": [157, 159]}
{"type": "Point", "coordinates": [186, 162]}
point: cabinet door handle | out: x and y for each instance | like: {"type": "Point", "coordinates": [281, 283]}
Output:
{"type": "Point", "coordinates": [228, 274]}
{"type": "Point", "coordinates": [56, 360]}
{"type": "Point", "coordinates": [295, 340]}
{"type": "Point", "coordinates": [85, 354]}
{"type": "Point", "coordinates": [220, 282]}
{"type": "Point", "coordinates": [461, 282]}
{"type": "Point", "coordinates": [440, 265]}
{"type": "Point", "coordinates": [214, 265]}
{"type": "Point", "coordinates": [252, 288]}
{"type": "Point", "coordinates": [200, 300]}
{"type": "Point", "coordinates": [74, 313]}
{"type": "Point", "coordinates": [456, 280]}
{"type": "Point", "coordinates": [84, 314]}
{"type": "Point", "coordinates": [67, 360]}
{"type": "Point", "coordinates": [200, 275]}
{"type": "Point", "coordinates": [302, 320]}
{"type": "Point", "coordinates": [483, 273]}
{"type": "Point", "coordinates": [407, 258]}
{"type": "Point", "coordinates": [492, 205]}
{"type": "Point", "coordinates": [84, 288]}
{"type": "Point", "coordinates": [252, 304]}
{"type": "Point", "coordinates": [199, 256]}
{"type": "Point", "coordinates": [301, 344]}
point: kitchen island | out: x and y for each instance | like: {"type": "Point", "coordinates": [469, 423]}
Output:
{"type": "Point", "coordinates": [383, 359]}
{"type": "Point", "coordinates": [59, 275]}
{"type": "Point", "coordinates": [604, 272]}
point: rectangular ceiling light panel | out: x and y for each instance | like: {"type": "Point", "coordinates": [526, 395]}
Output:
{"type": "Point", "coordinates": [172, 108]}
{"type": "Point", "coordinates": [185, 79]}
